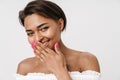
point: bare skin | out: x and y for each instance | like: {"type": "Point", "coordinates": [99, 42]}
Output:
{"type": "Point", "coordinates": [76, 61]}
{"type": "Point", "coordinates": [51, 58]}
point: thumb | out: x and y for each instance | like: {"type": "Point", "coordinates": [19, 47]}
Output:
{"type": "Point", "coordinates": [57, 49]}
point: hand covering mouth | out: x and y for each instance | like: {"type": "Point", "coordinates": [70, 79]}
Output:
{"type": "Point", "coordinates": [45, 42]}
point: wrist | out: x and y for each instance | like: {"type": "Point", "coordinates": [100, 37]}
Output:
{"type": "Point", "coordinates": [59, 69]}
{"type": "Point", "coordinates": [62, 74]}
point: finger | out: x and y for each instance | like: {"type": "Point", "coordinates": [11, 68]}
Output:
{"type": "Point", "coordinates": [34, 51]}
{"type": "Point", "coordinates": [44, 53]}
{"type": "Point", "coordinates": [37, 56]}
{"type": "Point", "coordinates": [38, 47]}
{"type": "Point", "coordinates": [42, 57]}
{"type": "Point", "coordinates": [37, 52]}
{"type": "Point", "coordinates": [41, 49]}
{"type": "Point", "coordinates": [41, 60]}
{"type": "Point", "coordinates": [46, 49]}
{"type": "Point", "coordinates": [57, 49]}
{"type": "Point", "coordinates": [49, 51]}
{"type": "Point", "coordinates": [33, 47]}
{"type": "Point", "coordinates": [33, 44]}
{"type": "Point", "coordinates": [42, 45]}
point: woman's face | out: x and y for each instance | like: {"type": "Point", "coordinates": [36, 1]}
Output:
{"type": "Point", "coordinates": [44, 30]}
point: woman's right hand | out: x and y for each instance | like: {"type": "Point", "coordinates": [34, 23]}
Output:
{"type": "Point", "coordinates": [53, 60]}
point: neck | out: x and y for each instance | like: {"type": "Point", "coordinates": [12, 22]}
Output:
{"type": "Point", "coordinates": [62, 47]}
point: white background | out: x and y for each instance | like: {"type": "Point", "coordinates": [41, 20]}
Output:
{"type": "Point", "coordinates": [93, 26]}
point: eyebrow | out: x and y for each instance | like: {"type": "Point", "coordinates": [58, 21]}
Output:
{"type": "Point", "coordinates": [28, 30]}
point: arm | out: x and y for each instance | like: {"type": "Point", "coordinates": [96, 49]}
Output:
{"type": "Point", "coordinates": [62, 74]}
{"type": "Point", "coordinates": [54, 61]}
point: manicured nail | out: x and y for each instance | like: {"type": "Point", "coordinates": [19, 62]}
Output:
{"type": "Point", "coordinates": [56, 44]}
{"type": "Point", "coordinates": [33, 45]}
{"type": "Point", "coordinates": [34, 52]}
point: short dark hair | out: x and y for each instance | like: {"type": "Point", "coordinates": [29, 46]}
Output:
{"type": "Point", "coordinates": [44, 8]}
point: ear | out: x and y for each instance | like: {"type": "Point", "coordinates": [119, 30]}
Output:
{"type": "Point", "coordinates": [61, 23]}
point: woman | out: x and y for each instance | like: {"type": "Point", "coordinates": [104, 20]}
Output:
{"type": "Point", "coordinates": [44, 21]}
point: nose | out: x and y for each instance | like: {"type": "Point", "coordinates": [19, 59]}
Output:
{"type": "Point", "coordinates": [38, 37]}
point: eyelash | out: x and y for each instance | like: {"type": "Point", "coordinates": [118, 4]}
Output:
{"type": "Point", "coordinates": [44, 29]}
{"type": "Point", "coordinates": [29, 34]}
{"type": "Point", "coordinates": [41, 29]}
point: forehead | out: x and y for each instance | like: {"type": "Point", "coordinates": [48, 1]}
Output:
{"type": "Point", "coordinates": [35, 20]}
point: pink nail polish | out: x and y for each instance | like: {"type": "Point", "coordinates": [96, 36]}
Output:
{"type": "Point", "coordinates": [56, 44]}
{"type": "Point", "coordinates": [33, 45]}
{"type": "Point", "coordinates": [37, 42]}
{"type": "Point", "coordinates": [34, 52]}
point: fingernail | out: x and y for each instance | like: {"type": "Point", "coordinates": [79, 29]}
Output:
{"type": "Point", "coordinates": [56, 44]}
{"type": "Point", "coordinates": [33, 45]}
{"type": "Point", "coordinates": [34, 52]}
{"type": "Point", "coordinates": [37, 42]}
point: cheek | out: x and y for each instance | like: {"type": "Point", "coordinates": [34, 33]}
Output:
{"type": "Point", "coordinates": [30, 40]}
{"type": "Point", "coordinates": [52, 34]}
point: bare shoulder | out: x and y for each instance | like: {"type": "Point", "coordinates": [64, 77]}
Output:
{"type": "Point", "coordinates": [88, 61]}
{"type": "Point", "coordinates": [25, 66]}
